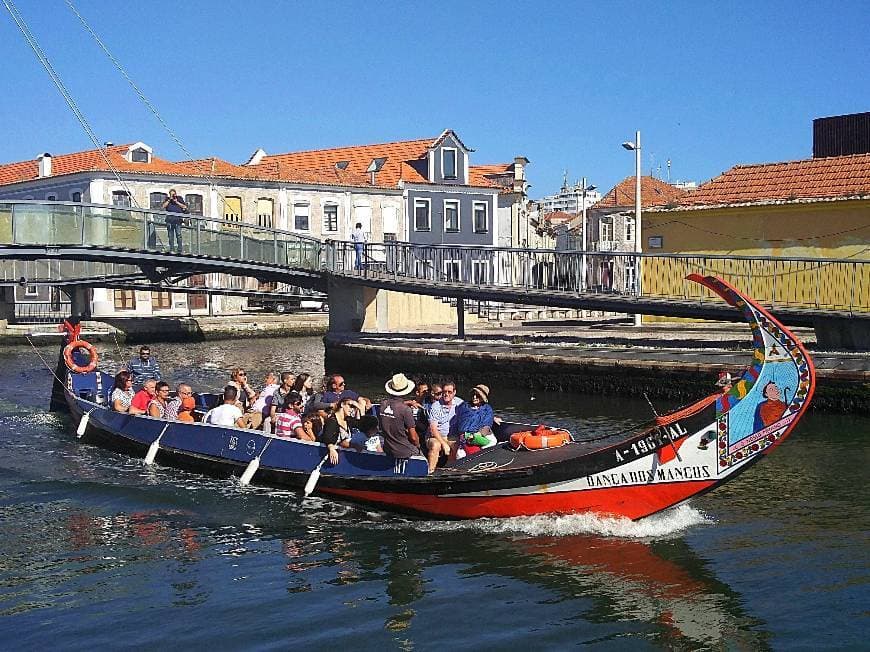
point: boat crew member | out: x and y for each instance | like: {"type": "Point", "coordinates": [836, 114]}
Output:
{"type": "Point", "coordinates": [144, 367]}
{"type": "Point", "coordinates": [397, 421]}
{"type": "Point", "coordinates": [175, 206]}
{"type": "Point", "coordinates": [441, 414]}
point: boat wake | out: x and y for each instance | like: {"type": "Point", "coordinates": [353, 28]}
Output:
{"type": "Point", "coordinates": [664, 525]}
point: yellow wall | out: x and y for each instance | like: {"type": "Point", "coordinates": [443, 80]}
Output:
{"type": "Point", "coordinates": [819, 230]}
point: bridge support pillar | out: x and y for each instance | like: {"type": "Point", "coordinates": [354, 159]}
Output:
{"type": "Point", "coordinates": [355, 308]}
{"type": "Point", "coordinates": [80, 301]}
{"type": "Point", "coordinates": [460, 318]}
{"type": "Point", "coordinates": [842, 333]}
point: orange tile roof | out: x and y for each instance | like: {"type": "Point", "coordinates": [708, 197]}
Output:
{"type": "Point", "coordinates": [406, 160]}
{"type": "Point", "coordinates": [85, 161]}
{"type": "Point", "coordinates": [484, 175]}
{"type": "Point", "coordinates": [558, 217]}
{"type": "Point", "coordinates": [809, 179]}
{"type": "Point", "coordinates": [93, 161]}
{"type": "Point", "coordinates": [653, 192]}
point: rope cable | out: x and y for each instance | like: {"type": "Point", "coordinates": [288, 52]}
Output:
{"type": "Point", "coordinates": [64, 91]}
{"type": "Point", "coordinates": [148, 104]}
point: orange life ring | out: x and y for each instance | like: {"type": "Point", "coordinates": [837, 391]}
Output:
{"type": "Point", "coordinates": [540, 438]}
{"type": "Point", "coordinates": [92, 359]}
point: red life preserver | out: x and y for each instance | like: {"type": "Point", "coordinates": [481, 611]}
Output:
{"type": "Point", "coordinates": [92, 359]}
{"type": "Point", "coordinates": [540, 438]}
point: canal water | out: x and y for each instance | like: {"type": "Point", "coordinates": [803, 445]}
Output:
{"type": "Point", "coordinates": [99, 551]}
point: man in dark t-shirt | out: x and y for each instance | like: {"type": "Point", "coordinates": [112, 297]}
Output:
{"type": "Point", "coordinates": [397, 420]}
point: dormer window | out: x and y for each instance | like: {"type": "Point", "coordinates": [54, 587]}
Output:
{"type": "Point", "coordinates": [448, 163]}
{"type": "Point", "coordinates": [140, 155]}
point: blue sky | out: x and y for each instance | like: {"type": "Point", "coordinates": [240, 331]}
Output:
{"type": "Point", "coordinates": [710, 85]}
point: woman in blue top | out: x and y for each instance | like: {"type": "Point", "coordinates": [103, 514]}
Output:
{"type": "Point", "coordinates": [473, 422]}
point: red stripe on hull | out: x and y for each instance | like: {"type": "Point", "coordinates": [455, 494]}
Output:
{"type": "Point", "coordinates": [631, 501]}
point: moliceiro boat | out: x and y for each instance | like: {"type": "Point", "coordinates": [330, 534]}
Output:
{"type": "Point", "coordinates": [632, 474]}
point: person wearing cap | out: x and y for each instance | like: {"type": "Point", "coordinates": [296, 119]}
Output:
{"type": "Point", "coordinates": [397, 420]}
{"type": "Point", "coordinates": [473, 423]}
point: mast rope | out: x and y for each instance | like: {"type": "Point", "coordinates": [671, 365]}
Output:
{"type": "Point", "coordinates": [149, 105]}
{"type": "Point", "coordinates": [65, 93]}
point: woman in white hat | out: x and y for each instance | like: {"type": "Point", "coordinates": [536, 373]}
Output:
{"type": "Point", "coordinates": [474, 420]}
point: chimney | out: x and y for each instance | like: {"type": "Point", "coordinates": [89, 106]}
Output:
{"type": "Point", "coordinates": [44, 163]}
{"type": "Point", "coordinates": [520, 163]}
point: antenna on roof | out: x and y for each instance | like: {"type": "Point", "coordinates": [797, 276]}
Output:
{"type": "Point", "coordinates": [669, 170]}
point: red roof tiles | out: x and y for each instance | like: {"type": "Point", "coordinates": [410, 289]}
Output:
{"type": "Point", "coordinates": [653, 192]}
{"type": "Point", "coordinates": [819, 178]}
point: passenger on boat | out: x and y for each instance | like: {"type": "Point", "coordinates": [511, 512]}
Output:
{"type": "Point", "coordinates": [185, 410]}
{"type": "Point", "coordinates": [139, 404]}
{"type": "Point", "coordinates": [174, 405]}
{"type": "Point", "coordinates": [280, 395]}
{"type": "Point", "coordinates": [229, 414]}
{"type": "Point", "coordinates": [261, 409]}
{"type": "Point", "coordinates": [288, 422]}
{"type": "Point", "coordinates": [157, 405]}
{"type": "Point", "coordinates": [312, 423]}
{"type": "Point", "coordinates": [335, 389]}
{"type": "Point", "coordinates": [246, 393]}
{"type": "Point", "coordinates": [336, 431]}
{"type": "Point", "coordinates": [420, 404]}
{"type": "Point", "coordinates": [246, 399]}
{"type": "Point", "coordinates": [369, 427]}
{"type": "Point", "coordinates": [473, 424]}
{"type": "Point", "coordinates": [397, 420]}
{"type": "Point", "coordinates": [441, 414]}
{"type": "Point", "coordinates": [122, 392]}
{"type": "Point", "coordinates": [305, 386]}
{"type": "Point", "coordinates": [144, 367]}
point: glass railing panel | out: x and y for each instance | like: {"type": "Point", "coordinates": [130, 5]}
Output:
{"type": "Point", "coordinates": [223, 243]}
{"type": "Point", "coordinates": [256, 247]}
{"type": "Point", "coordinates": [46, 224]}
{"type": "Point", "coordinates": [5, 223]}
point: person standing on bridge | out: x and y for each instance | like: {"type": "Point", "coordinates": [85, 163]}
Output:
{"type": "Point", "coordinates": [358, 237]}
{"type": "Point", "coordinates": [174, 205]}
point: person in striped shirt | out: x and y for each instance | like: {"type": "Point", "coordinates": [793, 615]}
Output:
{"type": "Point", "coordinates": [288, 422]}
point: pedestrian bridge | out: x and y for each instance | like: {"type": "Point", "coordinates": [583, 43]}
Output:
{"type": "Point", "coordinates": [96, 245]}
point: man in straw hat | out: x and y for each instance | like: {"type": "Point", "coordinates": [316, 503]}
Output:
{"type": "Point", "coordinates": [397, 421]}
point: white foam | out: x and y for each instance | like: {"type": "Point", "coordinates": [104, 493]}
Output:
{"type": "Point", "coordinates": [659, 526]}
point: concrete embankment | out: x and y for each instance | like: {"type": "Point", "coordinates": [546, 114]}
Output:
{"type": "Point", "coordinates": [177, 329]}
{"type": "Point", "coordinates": [678, 363]}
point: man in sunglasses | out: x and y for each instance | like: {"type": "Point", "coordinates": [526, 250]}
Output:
{"type": "Point", "coordinates": [336, 390]}
{"type": "Point", "coordinates": [144, 367]}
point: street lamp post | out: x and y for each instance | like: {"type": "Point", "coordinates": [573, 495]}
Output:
{"type": "Point", "coordinates": [635, 146]}
{"type": "Point", "coordinates": [586, 189]}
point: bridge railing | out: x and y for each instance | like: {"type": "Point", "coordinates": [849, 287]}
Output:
{"type": "Point", "coordinates": [98, 225]}
{"type": "Point", "coordinates": [815, 283]}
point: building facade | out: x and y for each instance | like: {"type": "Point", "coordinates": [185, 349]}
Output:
{"type": "Point", "coordinates": [317, 203]}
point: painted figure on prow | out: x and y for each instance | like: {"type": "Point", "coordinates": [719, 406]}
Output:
{"type": "Point", "coordinates": [771, 409]}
